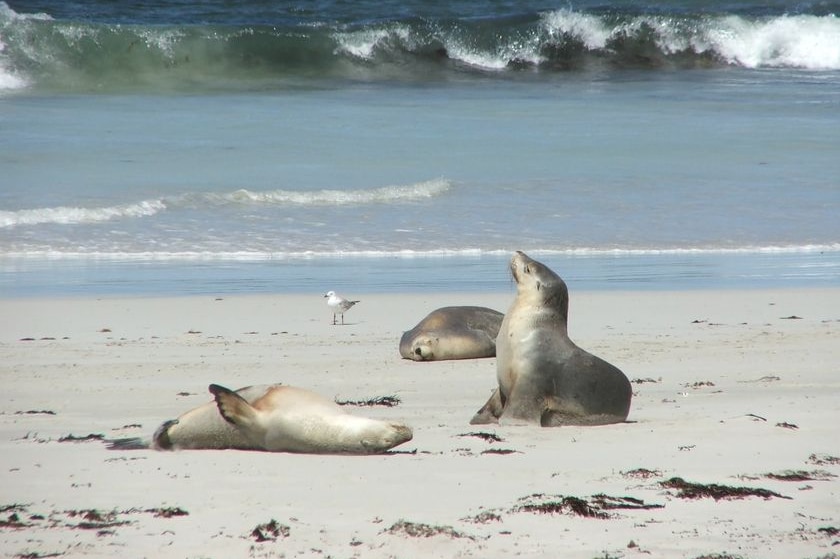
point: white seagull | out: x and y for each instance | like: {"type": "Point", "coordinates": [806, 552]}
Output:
{"type": "Point", "coordinates": [339, 304]}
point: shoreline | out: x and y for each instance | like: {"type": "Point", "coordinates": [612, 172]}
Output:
{"type": "Point", "coordinates": [730, 387]}
{"type": "Point", "coordinates": [427, 274]}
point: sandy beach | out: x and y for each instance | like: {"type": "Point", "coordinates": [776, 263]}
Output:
{"type": "Point", "coordinates": [732, 390]}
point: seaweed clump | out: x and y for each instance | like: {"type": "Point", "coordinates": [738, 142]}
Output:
{"type": "Point", "coordinates": [386, 401]}
{"type": "Point", "coordinates": [270, 531]}
{"type": "Point", "coordinates": [420, 530]}
{"type": "Point", "coordinates": [689, 490]}
{"type": "Point", "coordinates": [489, 437]}
{"type": "Point", "coordinates": [560, 505]}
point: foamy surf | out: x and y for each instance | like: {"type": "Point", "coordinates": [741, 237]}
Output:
{"type": "Point", "coordinates": [75, 215]}
{"type": "Point", "coordinates": [405, 254]}
{"type": "Point", "coordinates": [383, 195]}
{"type": "Point", "coordinates": [65, 215]}
{"type": "Point", "coordinates": [807, 42]}
{"type": "Point", "coordinates": [803, 41]}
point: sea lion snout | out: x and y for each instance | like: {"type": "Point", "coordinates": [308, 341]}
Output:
{"type": "Point", "coordinates": [402, 433]}
{"type": "Point", "coordinates": [522, 265]}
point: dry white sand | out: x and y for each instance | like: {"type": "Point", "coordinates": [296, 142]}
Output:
{"type": "Point", "coordinates": [729, 390]}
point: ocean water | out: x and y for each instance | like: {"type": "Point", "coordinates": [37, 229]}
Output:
{"type": "Point", "coordinates": [210, 147]}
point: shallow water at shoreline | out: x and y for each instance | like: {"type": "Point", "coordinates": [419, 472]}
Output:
{"type": "Point", "coordinates": [487, 273]}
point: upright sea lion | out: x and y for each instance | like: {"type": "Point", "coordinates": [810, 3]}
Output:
{"type": "Point", "coordinates": [544, 378]}
{"type": "Point", "coordinates": [453, 333]}
{"type": "Point", "coordinates": [276, 418]}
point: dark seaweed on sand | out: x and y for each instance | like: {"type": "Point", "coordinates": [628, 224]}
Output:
{"type": "Point", "coordinates": [270, 531]}
{"type": "Point", "coordinates": [501, 451]}
{"type": "Point", "coordinates": [420, 530]}
{"type": "Point", "coordinates": [689, 490]}
{"type": "Point", "coordinates": [483, 518]}
{"type": "Point", "coordinates": [560, 505]}
{"type": "Point", "coordinates": [168, 512]}
{"type": "Point", "coordinates": [489, 437]}
{"type": "Point", "coordinates": [801, 475]}
{"type": "Point", "coordinates": [386, 401]}
{"type": "Point", "coordinates": [608, 502]}
{"type": "Point", "coordinates": [595, 507]}
{"type": "Point", "coordinates": [13, 521]}
{"type": "Point", "coordinates": [642, 473]}
{"type": "Point", "coordinates": [74, 439]}
{"type": "Point", "coordinates": [824, 460]}
{"type": "Point", "coordinates": [92, 519]}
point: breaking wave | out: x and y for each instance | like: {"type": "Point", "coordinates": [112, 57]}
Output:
{"type": "Point", "coordinates": [39, 51]}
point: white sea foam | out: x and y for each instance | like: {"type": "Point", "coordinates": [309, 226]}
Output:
{"type": "Point", "coordinates": [259, 256]}
{"type": "Point", "coordinates": [67, 215]}
{"type": "Point", "coordinates": [363, 43]}
{"type": "Point", "coordinates": [589, 29]}
{"type": "Point", "coordinates": [74, 215]}
{"type": "Point", "coordinates": [10, 78]}
{"type": "Point", "coordinates": [386, 194]}
{"type": "Point", "coordinates": [8, 14]}
{"type": "Point", "coordinates": [804, 41]}
{"type": "Point", "coordinates": [163, 40]}
{"type": "Point", "coordinates": [791, 41]}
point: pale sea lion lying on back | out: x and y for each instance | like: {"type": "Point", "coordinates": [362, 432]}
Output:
{"type": "Point", "coordinates": [453, 333]}
{"type": "Point", "coordinates": [275, 418]}
{"type": "Point", "coordinates": [544, 378]}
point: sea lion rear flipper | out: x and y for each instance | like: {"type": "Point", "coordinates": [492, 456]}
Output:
{"type": "Point", "coordinates": [128, 443]}
{"type": "Point", "coordinates": [233, 407]}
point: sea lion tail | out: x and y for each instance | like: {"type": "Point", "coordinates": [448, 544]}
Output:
{"type": "Point", "coordinates": [233, 407]}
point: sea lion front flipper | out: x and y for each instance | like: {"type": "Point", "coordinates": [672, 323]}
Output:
{"type": "Point", "coordinates": [489, 412]}
{"type": "Point", "coordinates": [233, 407]}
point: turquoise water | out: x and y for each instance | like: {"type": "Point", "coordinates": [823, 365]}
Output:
{"type": "Point", "coordinates": [195, 149]}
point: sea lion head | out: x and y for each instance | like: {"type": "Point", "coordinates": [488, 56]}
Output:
{"type": "Point", "coordinates": [423, 348]}
{"type": "Point", "coordinates": [539, 284]}
{"type": "Point", "coordinates": [382, 436]}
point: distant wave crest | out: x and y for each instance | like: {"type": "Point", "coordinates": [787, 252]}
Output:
{"type": "Point", "coordinates": [66, 215]}
{"type": "Point", "coordinates": [65, 55]}
{"type": "Point", "coordinates": [387, 194]}
{"type": "Point", "coordinates": [75, 215]}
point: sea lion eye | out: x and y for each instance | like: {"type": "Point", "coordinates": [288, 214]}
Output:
{"type": "Point", "coordinates": [526, 269]}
